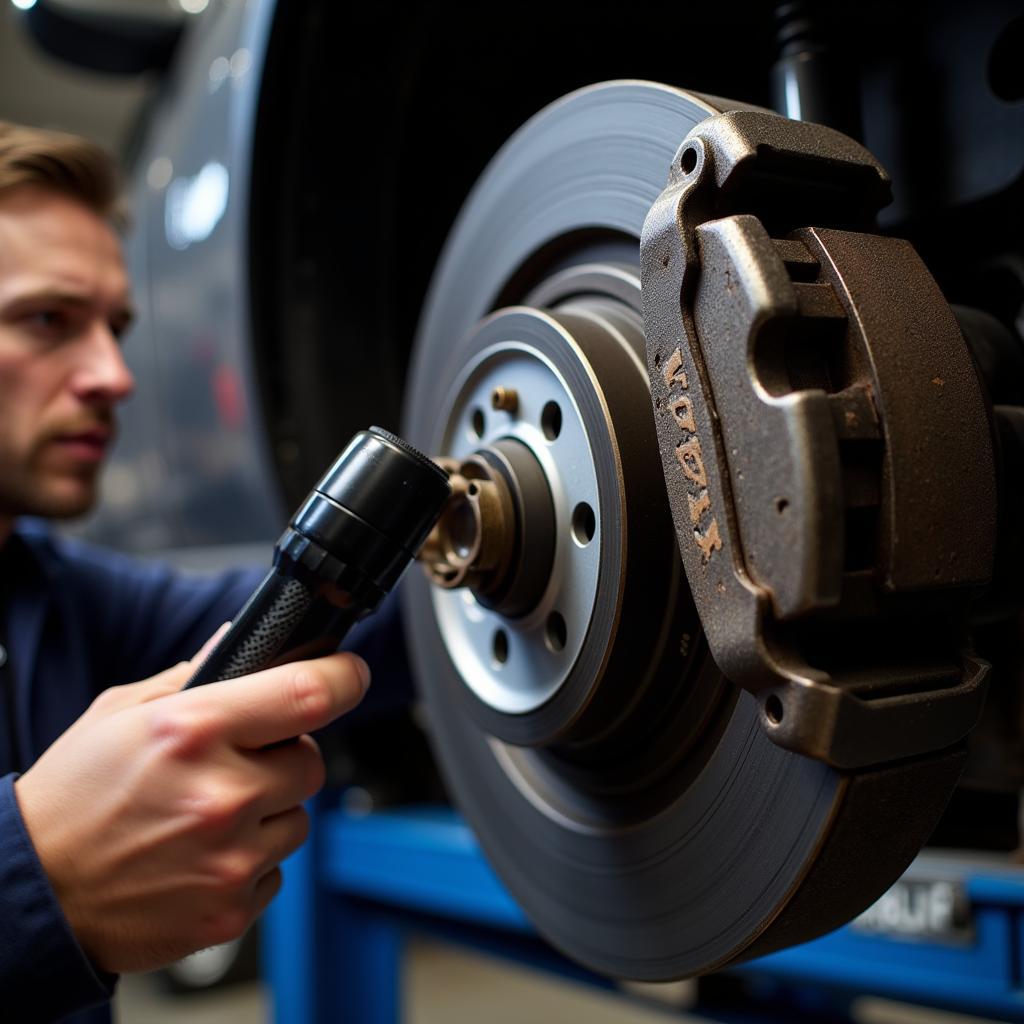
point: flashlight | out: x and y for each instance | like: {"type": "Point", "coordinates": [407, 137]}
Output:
{"type": "Point", "coordinates": [342, 552]}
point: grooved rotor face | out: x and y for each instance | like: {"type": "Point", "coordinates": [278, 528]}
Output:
{"type": "Point", "coordinates": [624, 791]}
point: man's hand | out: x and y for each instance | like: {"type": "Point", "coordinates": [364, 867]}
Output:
{"type": "Point", "coordinates": [160, 817]}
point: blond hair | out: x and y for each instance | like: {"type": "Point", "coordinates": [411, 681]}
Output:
{"type": "Point", "coordinates": [64, 163]}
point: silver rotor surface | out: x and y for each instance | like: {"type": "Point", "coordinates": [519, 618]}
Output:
{"type": "Point", "coordinates": [515, 665]}
{"type": "Point", "coordinates": [655, 850]}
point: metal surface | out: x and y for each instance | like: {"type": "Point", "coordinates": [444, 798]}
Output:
{"type": "Point", "coordinates": [472, 543]}
{"type": "Point", "coordinates": [570, 433]}
{"type": "Point", "coordinates": [800, 377]}
{"type": "Point", "coordinates": [526, 670]}
{"type": "Point", "coordinates": [812, 78]}
{"type": "Point", "coordinates": [550, 669]}
{"type": "Point", "coordinates": [193, 465]}
{"type": "Point", "coordinates": [639, 814]}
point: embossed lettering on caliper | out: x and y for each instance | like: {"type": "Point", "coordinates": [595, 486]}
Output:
{"type": "Point", "coordinates": [690, 459]}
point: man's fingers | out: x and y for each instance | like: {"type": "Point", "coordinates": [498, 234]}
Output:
{"type": "Point", "coordinates": [283, 834]}
{"type": "Point", "coordinates": [285, 775]}
{"type": "Point", "coordinates": [286, 701]}
{"type": "Point", "coordinates": [266, 890]}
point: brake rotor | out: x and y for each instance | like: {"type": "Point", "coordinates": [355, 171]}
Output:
{"type": "Point", "coordinates": [624, 791]}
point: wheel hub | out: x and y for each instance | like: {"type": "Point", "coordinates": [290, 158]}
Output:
{"type": "Point", "coordinates": [514, 657]}
{"type": "Point", "coordinates": [543, 419]}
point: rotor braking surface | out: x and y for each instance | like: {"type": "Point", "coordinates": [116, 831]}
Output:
{"type": "Point", "coordinates": [824, 440]}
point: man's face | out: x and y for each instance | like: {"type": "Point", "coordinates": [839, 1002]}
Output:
{"type": "Point", "coordinates": [63, 304]}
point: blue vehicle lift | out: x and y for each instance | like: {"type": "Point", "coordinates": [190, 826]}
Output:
{"type": "Point", "coordinates": [334, 938]}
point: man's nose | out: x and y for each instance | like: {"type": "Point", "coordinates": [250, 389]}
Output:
{"type": "Point", "coordinates": [101, 373]}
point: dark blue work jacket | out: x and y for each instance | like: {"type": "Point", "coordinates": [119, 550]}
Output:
{"type": "Point", "coordinates": [76, 619]}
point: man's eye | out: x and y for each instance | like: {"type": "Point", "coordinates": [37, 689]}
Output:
{"type": "Point", "coordinates": [51, 321]}
{"type": "Point", "coordinates": [119, 327]}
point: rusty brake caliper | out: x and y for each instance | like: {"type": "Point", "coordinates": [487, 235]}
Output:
{"type": "Point", "coordinates": [825, 441]}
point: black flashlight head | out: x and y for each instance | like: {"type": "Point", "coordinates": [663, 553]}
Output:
{"type": "Point", "coordinates": [374, 507]}
{"type": "Point", "coordinates": [388, 484]}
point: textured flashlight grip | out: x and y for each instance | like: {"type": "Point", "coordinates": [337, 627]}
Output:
{"type": "Point", "coordinates": [260, 633]}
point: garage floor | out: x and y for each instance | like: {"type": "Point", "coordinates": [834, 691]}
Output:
{"type": "Point", "coordinates": [443, 986]}
{"type": "Point", "coordinates": [450, 986]}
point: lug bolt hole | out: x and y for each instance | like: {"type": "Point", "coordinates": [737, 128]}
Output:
{"type": "Point", "coordinates": [584, 524]}
{"type": "Point", "coordinates": [773, 709]}
{"type": "Point", "coordinates": [551, 420]}
{"type": "Point", "coordinates": [477, 423]}
{"type": "Point", "coordinates": [555, 632]}
{"type": "Point", "coordinates": [688, 161]}
{"type": "Point", "coordinates": [499, 647]}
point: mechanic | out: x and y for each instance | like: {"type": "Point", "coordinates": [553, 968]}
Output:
{"type": "Point", "coordinates": [137, 823]}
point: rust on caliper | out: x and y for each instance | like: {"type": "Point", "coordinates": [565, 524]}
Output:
{"type": "Point", "coordinates": [805, 372]}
